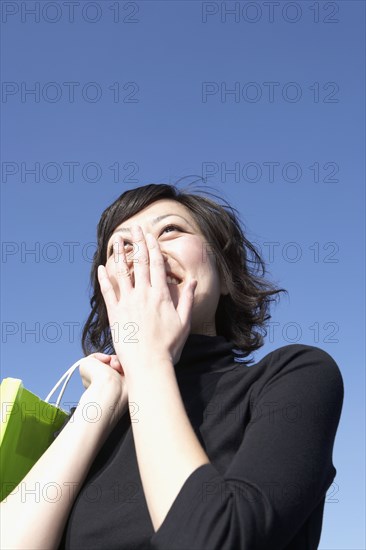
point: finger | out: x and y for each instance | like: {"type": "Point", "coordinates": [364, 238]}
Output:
{"type": "Point", "coordinates": [116, 365]}
{"type": "Point", "coordinates": [184, 308]}
{"type": "Point", "coordinates": [104, 357]}
{"type": "Point", "coordinates": [123, 274]}
{"type": "Point", "coordinates": [157, 264]}
{"type": "Point", "coordinates": [106, 287]}
{"type": "Point", "coordinates": [142, 262]}
{"type": "Point", "coordinates": [115, 360]}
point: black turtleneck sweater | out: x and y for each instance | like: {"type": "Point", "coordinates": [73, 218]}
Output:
{"type": "Point", "coordinates": [268, 429]}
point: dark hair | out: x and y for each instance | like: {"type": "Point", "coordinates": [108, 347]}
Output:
{"type": "Point", "coordinates": [241, 315]}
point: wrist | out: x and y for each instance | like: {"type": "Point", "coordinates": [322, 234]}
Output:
{"type": "Point", "coordinates": [149, 372]}
{"type": "Point", "coordinates": [105, 400]}
{"type": "Point", "coordinates": [148, 363]}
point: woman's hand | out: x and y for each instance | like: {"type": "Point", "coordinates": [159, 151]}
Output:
{"type": "Point", "coordinates": [87, 364]}
{"type": "Point", "coordinates": [104, 370]}
{"type": "Point", "coordinates": [145, 325]}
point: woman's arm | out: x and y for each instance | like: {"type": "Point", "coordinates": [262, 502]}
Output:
{"type": "Point", "coordinates": [167, 448]}
{"type": "Point", "coordinates": [33, 519]}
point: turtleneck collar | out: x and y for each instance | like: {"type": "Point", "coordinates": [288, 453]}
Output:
{"type": "Point", "coordinates": [205, 354]}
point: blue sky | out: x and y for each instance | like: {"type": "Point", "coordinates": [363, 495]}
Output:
{"type": "Point", "coordinates": [265, 101]}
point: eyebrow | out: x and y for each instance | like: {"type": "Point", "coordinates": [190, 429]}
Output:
{"type": "Point", "coordinates": [154, 222]}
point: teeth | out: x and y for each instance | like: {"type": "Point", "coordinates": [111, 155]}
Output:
{"type": "Point", "coordinates": [172, 280]}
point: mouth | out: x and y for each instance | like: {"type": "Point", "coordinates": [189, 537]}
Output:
{"type": "Point", "coordinates": [172, 279]}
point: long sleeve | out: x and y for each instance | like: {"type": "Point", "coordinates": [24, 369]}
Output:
{"type": "Point", "coordinates": [281, 471]}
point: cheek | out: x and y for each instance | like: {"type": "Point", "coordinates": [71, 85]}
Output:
{"type": "Point", "coordinates": [207, 277]}
{"type": "Point", "coordinates": [197, 257]}
{"type": "Point", "coordinates": [191, 253]}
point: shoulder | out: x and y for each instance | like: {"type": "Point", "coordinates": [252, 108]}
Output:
{"type": "Point", "coordinates": [304, 354]}
{"type": "Point", "coordinates": [304, 366]}
{"type": "Point", "coordinates": [301, 355]}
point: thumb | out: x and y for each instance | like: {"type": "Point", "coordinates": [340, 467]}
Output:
{"type": "Point", "coordinates": [104, 357]}
{"type": "Point", "coordinates": [185, 305]}
{"type": "Point", "coordinates": [116, 365]}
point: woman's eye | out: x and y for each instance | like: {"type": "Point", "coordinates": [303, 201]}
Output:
{"type": "Point", "coordinates": [127, 243]}
{"type": "Point", "coordinates": [110, 250]}
{"type": "Point", "coordinates": [174, 227]}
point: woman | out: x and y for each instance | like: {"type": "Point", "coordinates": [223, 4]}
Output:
{"type": "Point", "coordinates": [192, 447]}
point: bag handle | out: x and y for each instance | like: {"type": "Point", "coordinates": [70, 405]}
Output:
{"type": "Point", "coordinates": [66, 376]}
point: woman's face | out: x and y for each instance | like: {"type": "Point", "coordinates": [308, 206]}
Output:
{"type": "Point", "coordinates": [186, 253]}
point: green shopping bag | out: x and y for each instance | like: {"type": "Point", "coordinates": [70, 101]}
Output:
{"type": "Point", "coordinates": [27, 428]}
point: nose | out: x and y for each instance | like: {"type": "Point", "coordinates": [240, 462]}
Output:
{"type": "Point", "coordinates": [131, 261]}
